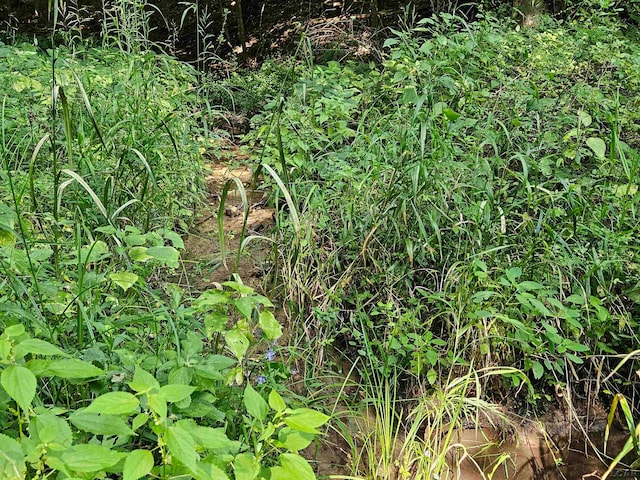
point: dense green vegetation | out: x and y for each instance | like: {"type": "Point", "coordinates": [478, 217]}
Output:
{"type": "Point", "coordinates": [459, 222]}
{"type": "Point", "coordinates": [481, 187]}
{"type": "Point", "coordinates": [94, 179]}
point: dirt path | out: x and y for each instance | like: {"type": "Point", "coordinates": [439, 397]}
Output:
{"type": "Point", "coordinates": [205, 265]}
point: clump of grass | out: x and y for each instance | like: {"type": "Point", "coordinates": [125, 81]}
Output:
{"type": "Point", "coordinates": [471, 199]}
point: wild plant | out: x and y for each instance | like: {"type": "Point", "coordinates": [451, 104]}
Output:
{"type": "Point", "coordinates": [469, 198]}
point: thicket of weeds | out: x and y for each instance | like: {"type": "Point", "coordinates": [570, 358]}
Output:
{"type": "Point", "coordinates": [461, 222]}
{"type": "Point", "coordinates": [108, 370]}
{"type": "Point", "coordinates": [471, 204]}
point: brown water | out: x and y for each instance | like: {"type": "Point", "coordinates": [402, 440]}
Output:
{"type": "Point", "coordinates": [535, 456]}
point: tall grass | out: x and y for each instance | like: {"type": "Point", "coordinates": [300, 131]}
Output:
{"type": "Point", "coordinates": [471, 198]}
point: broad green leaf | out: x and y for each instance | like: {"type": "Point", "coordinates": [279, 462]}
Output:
{"type": "Point", "coordinates": [181, 446]}
{"type": "Point", "coordinates": [175, 239]}
{"type": "Point", "coordinates": [237, 342]}
{"type": "Point", "coordinates": [269, 325]}
{"type": "Point", "coordinates": [584, 118]}
{"type": "Point", "coordinates": [215, 322]}
{"type": "Point", "coordinates": [100, 424]}
{"type": "Point", "coordinates": [276, 402]}
{"type": "Point", "coordinates": [432, 376]}
{"type": "Point", "coordinates": [169, 256]}
{"type": "Point", "coordinates": [72, 368]}
{"type": "Point", "coordinates": [93, 252]}
{"type": "Point", "coordinates": [20, 383]}
{"type": "Point", "coordinates": [51, 429]}
{"type": "Point", "coordinates": [451, 114]}
{"type": "Point", "coordinates": [157, 404]}
{"type": "Point", "coordinates": [598, 146]}
{"type": "Point", "coordinates": [143, 381]}
{"type": "Point", "coordinates": [139, 254]}
{"type": "Point", "coordinates": [537, 369]}
{"type": "Point", "coordinates": [213, 439]}
{"type": "Point", "coordinates": [14, 331]}
{"type": "Point", "coordinates": [210, 298]}
{"type": "Point", "coordinates": [37, 347]}
{"type": "Point", "coordinates": [293, 467]}
{"type": "Point", "coordinates": [176, 393]}
{"type": "Point", "coordinates": [244, 306]}
{"type": "Point", "coordinates": [90, 458]}
{"type": "Point", "coordinates": [124, 280]}
{"type": "Point", "coordinates": [137, 464]}
{"type": "Point", "coordinates": [114, 403]}
{"type": "Point", "coordinates": [246, 467]}
{"type": "Point", "coordinates": [208, 471]}
{"type": "Point", "coordinates": [139, 420]}
{"type": "Point", "coordinates": [7, 238]}
{"type": "Point", "coordinates": [255, 404]}
{"type": "Point", "coordinates": [306, 420]}
{"type": "Point", "coordinates": [12, 465]}
{"type": "Point", "coordinates": [294, 440]}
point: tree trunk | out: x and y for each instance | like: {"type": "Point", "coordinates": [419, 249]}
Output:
{"type": "Point", "coordinates": [241, 35]}
{"type": "Point", "coordinates": [526, 11]}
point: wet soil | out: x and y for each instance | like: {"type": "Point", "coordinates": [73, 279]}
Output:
{"type": "Point", "coordinates": [207, 264]}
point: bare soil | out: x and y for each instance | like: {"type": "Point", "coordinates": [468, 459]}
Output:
{"type": "Point", "coordinates": [206, 266]}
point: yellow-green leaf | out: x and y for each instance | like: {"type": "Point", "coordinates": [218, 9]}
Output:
{"type": "Point", "coordinates": [138, 464]}
{"type": "Point", "coordinates": [124, 280]}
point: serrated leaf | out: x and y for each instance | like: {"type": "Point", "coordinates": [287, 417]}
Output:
{"type": "Point", "coordinates": [37, 347]}
{"type": "Point", "coordinates": [20, 383]}
{"type": "Point", "coordinates": [208, 471]}
{"type": "Point", "coordinates": [51, 429]}
{"type": "Point", "coordinates": [181, 446]}
{"type": "Point", "coordinates": [293, 467]}
{"type": "Point", "coordinates": [143, 381]}
{"type": "Point", "coordinates": [72, 368]}
{"type": "Point", "coordinates": [137, 464]}
{"type": "Point", "coordinates": [114, 403]}
{"type": "Point", "coordinates": [124, 280]}
{"type": "Point", "coordinates": [213, 439]}
{"type": "Point", "coordinates": [269, 325]}
{"type": "Point", "coordinates": [157, 404]}
{"type": "Point", "coordinates": [255, 404]}
{"type": "Point", "coordinates": [306, 420]}
{"type": "Point", "coordinates": [90, 458]}
{"type": "Point", "coordinates": [100, 424]}
{"type": "Point", "coordinates": [139, 420]}
{"type": "Point", "coordinates": [598, 146]}
{"type": "Point", "coordinates": [12, 465]}
{"type": "Point", "coordinates": [176, 393]}
{"type": "Point", "coordinates": [246, 467]}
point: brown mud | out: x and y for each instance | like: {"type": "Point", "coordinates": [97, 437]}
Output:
{"type": "Point", "coordinates": [204, 260]}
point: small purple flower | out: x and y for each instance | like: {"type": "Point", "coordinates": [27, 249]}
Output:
{"type": "Point", "coordinates": [270, 355]}
{"type": "Point", "coordinates": [261, 380]}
